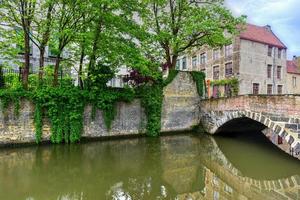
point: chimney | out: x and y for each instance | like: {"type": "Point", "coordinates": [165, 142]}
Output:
{"type": "Point", "coordinates": [298, 60]}
{"type": "Point", "coordinates": [268, 27]}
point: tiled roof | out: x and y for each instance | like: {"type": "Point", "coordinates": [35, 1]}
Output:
{"type": "Point", "coordinates": [261, 34]}
{"type": "Point", "coordinates": [292, 67]}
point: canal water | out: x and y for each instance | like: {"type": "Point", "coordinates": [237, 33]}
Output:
{"type": "Point", "coordinates": [181, 167]}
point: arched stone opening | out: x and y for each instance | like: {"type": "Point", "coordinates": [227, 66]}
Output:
{"type": "Point", "coordinates": [239, 125]}
{"type": "Point", "coordinates": [250, 128]}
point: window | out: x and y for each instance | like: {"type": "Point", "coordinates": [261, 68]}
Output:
{"type": "Point", "coordinates": [177, 64]}
{"type": "Point", "coordinates": [228, 69]}
{"type": "Point", "coordinates": [228, 50]}
{"type": "Point", "coordinates": [269, 71]}
{"type": "Point", "coordinates": [203, 58]}
{"type": "Point", "coordinates": [255, 88]}
{"type": "Point", "coordinates": [270, 49]}
{"type": "Point", "coordinates": [279, 53]}
{"type": "Point", "coordinates": [194, 62]}
{"type": "Point", "coordinates": [278, 72]}
{"type": "Point", "coordinates": [184, 63]}
{"type": "Point", "coordinates": [215, 91]}
{"type": "Point", "coordinates": [279, 140]}
{"type": "Point", "coordinates": [228, 90]}
{"type": "Point", "coordinates": [294, 81]}
{"type": "Point", "coordinates": [269, 88]}
{"type": "Point", "coordinates": [216, 54]}
{"type": "Point", "coordinates": [279, 89]}
{"type": "Point", "coordinates": [216, 73]}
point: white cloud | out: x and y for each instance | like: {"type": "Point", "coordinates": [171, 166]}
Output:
{"type": "Point", "coordinates": [282, 15]}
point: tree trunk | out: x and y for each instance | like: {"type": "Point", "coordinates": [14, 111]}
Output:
{"type": "Point", "coordinates": [95, 47]}
{"type": "Point", "coordinates": [41, 63]}
{"type": "Point", "coordinates": [93, 54]}
{"type": "Point", "coordinates": [174, 61]}
{"type": "Point", "coordinates": [80, 82]}
{"type": "Point", "coordinates": [27, 61]}
{"type": "Point", "coordinates": [56, 68]}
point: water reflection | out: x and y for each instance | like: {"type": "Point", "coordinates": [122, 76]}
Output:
{"type": "Point", "coordinates": [172, 167]}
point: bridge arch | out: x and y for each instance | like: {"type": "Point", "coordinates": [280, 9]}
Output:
{"type": "Point", "coordinates": [219, 119]}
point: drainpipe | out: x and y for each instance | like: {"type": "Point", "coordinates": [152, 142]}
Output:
{"type": "Point", "coordinates": [274, 72]}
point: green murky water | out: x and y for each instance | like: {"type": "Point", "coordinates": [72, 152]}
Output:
{"type": "Point", "coordinates": [179, 167]}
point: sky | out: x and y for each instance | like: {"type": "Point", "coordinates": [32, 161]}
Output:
{"type": "Point", "coordinates": [282, 15]}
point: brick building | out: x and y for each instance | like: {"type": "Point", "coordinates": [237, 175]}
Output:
{"type": "Point", "coordinates": [256, 57]}
{"type": "Point", "coordinates": [293, 75]}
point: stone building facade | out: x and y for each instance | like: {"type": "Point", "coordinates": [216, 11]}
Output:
{"type": "Point", "coordinates": [293, 75]}
{"type": "Point", "coordinates": [256, 57]}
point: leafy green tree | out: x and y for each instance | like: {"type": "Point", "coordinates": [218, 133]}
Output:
{"type": "Point", "coordinates": [20, 13]}
{"type": "Point", "coordinates": [67, 21]}
{"type": "Point", "coordinates": [113, 34]}
{"type": "Point", "coordinates": [43, 24]}
{"type": "Point", "coordinates": [177, 26]}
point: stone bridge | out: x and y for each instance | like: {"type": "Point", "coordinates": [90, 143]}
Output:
{"type": "Point", "coordinates": [279, 117]}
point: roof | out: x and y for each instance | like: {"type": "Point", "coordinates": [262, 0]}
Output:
{"type": "Point", "coordinates": [292, 67]}
{"type": "Point", "coordinates": [261, 34]}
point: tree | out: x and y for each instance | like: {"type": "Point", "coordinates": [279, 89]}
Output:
{"type": "Point", "coordinates": [177, 26]}
{"type": "Point", "coordinates": [68, 21]}
{"type": "Point", "coordinates": [43, 23]}
{"type": "Point", "coordinates": [20, 13]}
{"type": "Point", "coordinates": [110, 39]}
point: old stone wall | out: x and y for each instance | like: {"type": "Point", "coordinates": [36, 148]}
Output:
{"type": "Point", "coordinates": [180, 110]}
{"type": "Point", "coordinates": [179, 113]}
{"type": "Point", "coordinates": [20, 129]}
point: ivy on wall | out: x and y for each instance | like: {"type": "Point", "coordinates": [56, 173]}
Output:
{"type": "Point", "coordinates": [9, 97]}
{"type": "Point", "coordinates": [172, 75]}
{"type": "Point", "coordinates": [199, 78]}
{"type": "Point", "coordinates": [233, 83]}
{"type": "Point", "coordinates": [105, 99]}
{"type": "Point", "coordinates": [151, 99]}
{"type": "Point", "coordinates": [38, 123]}
{"type": "Point", "coordinates": [64, 106]}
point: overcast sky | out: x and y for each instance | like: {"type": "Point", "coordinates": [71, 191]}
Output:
{"type": "Point", "coordinates": [282, 15]}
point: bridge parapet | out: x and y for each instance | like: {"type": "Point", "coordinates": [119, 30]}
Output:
{"type": "Point", "coordinates": [276, 104]}
{"type": "Point", "coordinates": [281, 114]}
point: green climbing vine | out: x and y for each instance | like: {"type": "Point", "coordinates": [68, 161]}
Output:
{"type": "Point", "coordinates": [233, 83]}
{"type": "Point", "coordinates": [9, 97]}
{"type": "Point", "coordinates": [152, 98]}
{"type": "Point", "coordinates": [105, 99]}
{"type": "Point", "coordinates": [38, 123]}
{"type": "Point", "coordinates": [64, 106]}
{"type": "Point", "coordinates": [172, 75]}
{"type": "Point", "coordinates": [199, 78]}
